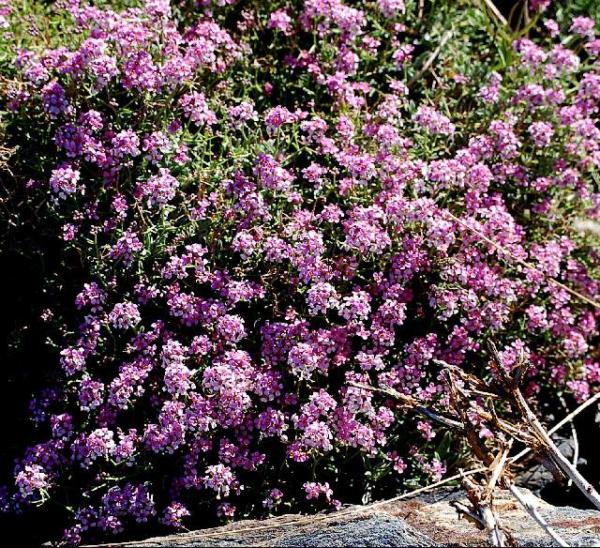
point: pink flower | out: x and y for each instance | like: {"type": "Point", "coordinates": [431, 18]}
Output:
{"type": "Point", "coordinates": [584, 26]}
{"type": "Point", "coordinates": [174, 514]}
{"type": "Point", "coordinates": [403, 55]}
{"type": "Point", "coordinates": [31, 480]}
{"type": "Point", "coordinates": [124, 315]}
{"type": "Point", "coordinates": [434, 121]}
{"type": "Point", "coordinates": [541, 133]}
{"type": "Point", "coordinates": [280, 20]}
{"type": "Point", "coordinates": [64, 181]}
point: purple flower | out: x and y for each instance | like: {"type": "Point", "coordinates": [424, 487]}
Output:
{"type": "Point", "coordinates": [390, 8]}
{"type": "Point", "coordinates": [54, 99]}
{"type": "Point", "coordinates": [63, 181]}
{"type": "Point", "coordinates": [403, 55]}
{"type": "Point", "coordinates": [434, 121]}
{"type": "Point", "coordinates": [98, 444]}
{"type": "Point", "coordinates": [126, 143]}
{"type": "Point", "coordinates": [321, 297]}
{"type": "Point", "coordinates": [220, 479]}
{"type": "Point", "coordinates": [177, 379]}
{"type": "Point", "coordinates": [92, 297]}
{"type": "Point", "coordinates": [356, 307]}
{"type": "Point", "coordinates": [160, 189]}
{"type": "Point", "coordinates": [72, 360]}
{"type": "Point", "coordinates": [173, 515]}
{"type": "Point", "coordinates": [126, 247]}
{"type": "Point", "coordinates": [280, 20]}
{"type": "Point", "coordinates": [541, 133]}
{"type": "Point", "coordinates": [303, 360]}
{"type": "Point", "coordinates": [196, 108]}
{"type": "Point", "coordinates": [124, 315]}
{"type": "Point", "coordinates": [584, 26]}
{"type": "Point", "coordinates": [277, 117]}
{"type": "Point", "coordinates": [31, 480]}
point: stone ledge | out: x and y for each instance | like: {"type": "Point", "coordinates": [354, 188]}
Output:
{"type": "Point", "coordinates": [423, 521]}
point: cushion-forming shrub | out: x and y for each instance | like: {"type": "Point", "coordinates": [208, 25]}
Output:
{"type": "Point", "coordinates": [267, 211]}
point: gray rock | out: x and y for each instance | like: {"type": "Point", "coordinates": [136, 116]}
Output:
{"type": "Point", "coordinates": [373, 531]}
{"type": "Point", "coordinates": [427, 521]}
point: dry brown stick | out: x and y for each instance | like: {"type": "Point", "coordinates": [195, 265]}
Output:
{"type": "Point", "coordinates": [492, 7]}
{"type": "Point", "coordinates": [515, 458]}
{"type": "Point", "coordinates": [410, 401]}
{"type": "Point", "coordinates": [497, 468]}
{"type": "Point", "coordinates": [490, 522]}
{"type": "Point", "coordinates": [575, 439]}
{"type": "Point", "coordinates": [483, 505]}
{"type": "Point", "coordinates": [485, 518]}
{"type": "Point", "coordinates": [582, 407]}
{"type": "Point", "coordinates": [533, 512]}
{"type": "Point", "coordinates": [588, 300]}
{"type": "Point", "coordinates": [497, 473]}
{"type": "Point", "coordinates": [431, 58]}
{"type": "Point", "coordinates": [547, 447]}
{"type": "Point", "coordinates": [559, 459]}
{"type": "Point", "coordinates": [482, 511]}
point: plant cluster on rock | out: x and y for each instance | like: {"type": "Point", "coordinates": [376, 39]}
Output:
{"type": "Point", "coordinates": [271, 200]}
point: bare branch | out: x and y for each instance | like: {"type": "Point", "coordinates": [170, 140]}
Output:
{"type": "Point", "coordinates": [582, 407]}
{"type": "Point", "coordinates": [520, 261]}
{"type": "Point", "coordinates": [559, 459]}
{"type": "Point", "coordinates": [412, 403]}
{"type": "Point", "coordinates": [492, 7]}
{"type": "Point", "coordinates": [533, 512]}
{"type": "Point", "coordinates": [446, 36]}
{"type": "Point", "coordinates": [575, 439]}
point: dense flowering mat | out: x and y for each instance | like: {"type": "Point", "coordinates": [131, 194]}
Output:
{"type": "Point", "coordinates": [272, 199]}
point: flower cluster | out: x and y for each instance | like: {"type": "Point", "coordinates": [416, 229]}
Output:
{"type": "Point", "coordinates": [262, 226]}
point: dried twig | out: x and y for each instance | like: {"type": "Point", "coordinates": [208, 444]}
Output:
{"type": "Point", "coordinates": [529, 429]}
{"type": "Point", "coordinates": [545, 447]}
{"type": "Point", "coordinates": [575, 439]}
{"type": "Point", "coordinates": [514, 459]}
{"type": "Point", "coordinates": [445, 37]}
{"type": "Point", "coordinates": [533, 512]}
{"type": "Point", "coordinates": [492, 7]}
{"type": "Point", "coordinates": [412, 403]}
{"type": "Point", "coordinates": [557, 457]}
{"type": "Point", "coordinates": [520, 261]}
{"type": "Point", "coordinates": [482, 512]}
{"type": "Point", "coordinates": [579, 409]}
{"type": "Point", "coordinates": [497, 468]}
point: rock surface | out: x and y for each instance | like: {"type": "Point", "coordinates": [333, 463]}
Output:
{"type": "Point", "coordinates": [425, 521]}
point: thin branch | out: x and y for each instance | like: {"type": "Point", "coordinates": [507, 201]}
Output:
{"type": "Point", "coordinates": [573, 292]}
{"type": "Point", "coordinates": [411, 402]}
{"type": "Point", "coordinates": [575, 439]}
{"type": "Point", "coordinates": [582, 407]}
{"type": "Point", "coordinates": [483, 511]}
{"type": "Point", "coordinates": [559, 459]}
{"type": "Point", "coordinates": [515, 458]}
{"type": "Point", "coordinates": [533, 512]}
{"type": "Point", "coordinates": [492, 7]}
{"type": "Point", "coordinates": [446, 36]}
{"type": "Point", "coordinates": [497, 468]}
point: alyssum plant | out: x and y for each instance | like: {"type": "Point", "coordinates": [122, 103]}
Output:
{"type": "Point", "coordinates": [274, 201]}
